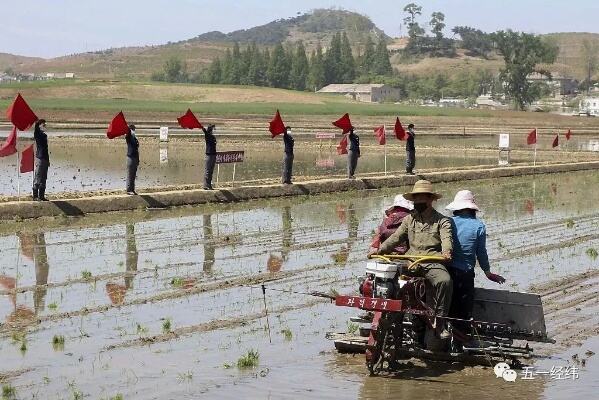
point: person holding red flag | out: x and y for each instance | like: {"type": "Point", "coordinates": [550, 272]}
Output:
{"type": "Point", "coordinates": [210, 160]}
{"type": "Point", "coordinates": [410, 150]}
{"type": "Point", "coordinates": [132, 159]}
{"type": "Point", "coordinates": [353, 154]}
{"type": "Point", "coordinates": [288, 159]}
{"type": "Point", "coordinates": [42, 157]}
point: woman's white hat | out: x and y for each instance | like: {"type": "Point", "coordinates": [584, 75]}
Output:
{"type": "Point", "coordinates": [401, 201]}
{"type": "Point", "coordinates": [464, 199]}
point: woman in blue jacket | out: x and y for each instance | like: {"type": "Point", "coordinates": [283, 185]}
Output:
{"type": "Point", "coordinates": [469, 246]}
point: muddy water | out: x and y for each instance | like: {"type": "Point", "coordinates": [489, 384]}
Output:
{"type": "Point", "coordinates": [94, 164]}
{"type": "Point", "coordinates": [108, 284]}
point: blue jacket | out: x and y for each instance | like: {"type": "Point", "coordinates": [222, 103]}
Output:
{"type": "Point", "coordinates": [470, 243]}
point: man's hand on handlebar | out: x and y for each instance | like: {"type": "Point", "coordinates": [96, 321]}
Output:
{"type": "Point", "coordinates": [446, 255]}
{"type": "Point", "coordinates": [372, 252]}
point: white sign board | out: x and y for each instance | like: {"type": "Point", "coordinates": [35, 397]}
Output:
{"type": "Point", "coordinates": [325, 135]}
{"type": "Point", "coordinates": [164, 133]}
{"type": "Point", "coordinates": [504, 141]}
{"type": "Point", "coordinates": [164, 155]}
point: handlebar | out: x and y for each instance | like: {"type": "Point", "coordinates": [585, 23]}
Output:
{"type": "Point", "coordinates": [415, 259]}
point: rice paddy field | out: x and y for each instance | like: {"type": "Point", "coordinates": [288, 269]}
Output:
{"type": "Point", "coordinates": [168, 304]}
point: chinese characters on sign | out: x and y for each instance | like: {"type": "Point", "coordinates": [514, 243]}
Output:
{"type": "Point", "coordinates": [556, 373]}
{"type": "Point", "coordinates": [229, 157]}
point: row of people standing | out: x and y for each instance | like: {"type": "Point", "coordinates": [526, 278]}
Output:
{"type": "Point", "coordinates": [43, 157]}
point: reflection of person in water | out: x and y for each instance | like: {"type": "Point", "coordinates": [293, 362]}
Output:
{"type": "Point", "coordinates": [274, 262]}
{"type": "Point", "coordinates": [353, 223]}
{"type": "Point", "coordinates": [116, 292]}
{"type": "Point", "coordinates": [42, 268]}
{"type": "Point", "coordinates": [208, 244]}
{"type": "Point", "coordinates": [287, 232]}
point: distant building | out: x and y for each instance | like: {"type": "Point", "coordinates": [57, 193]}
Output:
{"type": "Point", "coordinates": [5, 78]}
{"type": "Point", "coordinates": [486, 102]}
{"type": "Point", "coordinates": [369, 93]}
{"type": "Point", "coordinates": [452, 102]}
{"type": "Point", "coordinates": [561, 85]}
{"type": "Point", "coordinates": [589, 105]}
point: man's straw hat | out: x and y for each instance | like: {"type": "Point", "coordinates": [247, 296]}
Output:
{"type": "Point", "coordinates": [422, 186]}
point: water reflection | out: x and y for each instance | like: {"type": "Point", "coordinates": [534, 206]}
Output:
{"type": "Point", "coordinates": [347, 215]}
{"type": "Point", "coordinates": [116, 291]}
{"type": "Point", "coordinates": [275, 262]}
{"type": "Point", "coordinates": [209, 248]}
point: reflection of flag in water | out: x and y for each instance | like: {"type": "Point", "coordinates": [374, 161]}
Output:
{"type": "Point", "coordinates": [27, 243]}
{"type": "Point", "coordinates": [341, 256]}
{"type": "Point", "coordinates": [379, 132]}
{"type": "Point", "coordinates": [341, 214]}
{"type": "Point", "coordinates": [342, 147]}
{"type": "Point", "coordinates": [568, 134]}
{"type": "Point", "coordinates": [529, 206]}
{"type": "Point", "coordinates": [553, 187]}
{"type": "Point", "coordinates": [116, 293]}
{"type": "Point", "coordinates": [274, 263]}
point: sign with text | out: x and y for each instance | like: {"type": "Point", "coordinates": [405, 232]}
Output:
{"type": "Point", "coordinates": [163, 155]}
{"type": "Point", "coordinates": [504, 141]}
{"type": "Point", "coordinates": [164, 133]}
{"type": "Point", "coordinates": [229, 157]}
{"type": "Point", "coordinates": [325, 163]}
{"type": "Point", "coordinates": [325, 135]}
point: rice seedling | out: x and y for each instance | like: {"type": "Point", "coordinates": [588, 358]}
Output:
{"type": "Point", "coordinates": [249, 360]}
{"type": "Point", "coordinates": [287, 334]}
{"type": "Point", "coordinates": [166, 326]}
{"type": "Point", "coordinates": [58, 342]}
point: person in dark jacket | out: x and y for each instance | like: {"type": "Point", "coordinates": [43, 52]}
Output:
{"type": "Point", "coordinates": [353, 154]}
{"type": "Point", "coordinates": [210, 160]}
{"type": "Point", "coordinates": [410, 151]}
{"type": "Point", "coordinates": [132, 159]}
{"type": "Point", "coordinates": [42, 160]}
{"type": "Point", "coordinates": [288, 159]}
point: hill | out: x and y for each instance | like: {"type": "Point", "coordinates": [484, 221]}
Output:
{"type": "Point", "coordinates": [140, 62]}
{"type": "Point", "coordinates": [312, 28]}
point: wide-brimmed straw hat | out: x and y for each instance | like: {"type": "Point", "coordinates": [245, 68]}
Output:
{"type": "Point", "coordinates": [400, 201]}
{"type": "Point", "coordinates": [464, 199]}
{"type": "Point", "coordinates": [422, 187]}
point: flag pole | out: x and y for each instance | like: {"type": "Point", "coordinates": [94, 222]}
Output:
{"type": "Point", "coordinates": [536, 144]}
{"type": "Point", "coordinates": [385, 146]}
{"type": "Point", "coordinates": [234, 165]}
{"type": "Point", "coordinates": [18, 176]}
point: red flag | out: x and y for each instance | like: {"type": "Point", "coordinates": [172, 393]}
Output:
{"type": "Point", "coordinates": [20, 114]}
{"type": "Point", "coordinates": [568, 134]}
{"type": "Point", "coordinates": [189, 121]}
{"type": "Point", "coordinates": [27, 159]}
{"type": "Point", "coordinates": [529, 206]}
{"type": "Point", "coordinates": [277, 126]}
{"type": "Point", "coordinates": [380, 134]}
{"type": "Point", "coordinates": [342, 148]}
{"type": "Point", "coordinates": [344, 123]}
{"type": "Point", "coordinates": [10, 145]}
{"type": "Point", "coordinates": [532, 137]}
{"type": "Point", "coordinates": [400, 132]}
{"type": "Point", "coordinates": [555, 141]}
{"type": "Point", "coordinates": [118, 126]}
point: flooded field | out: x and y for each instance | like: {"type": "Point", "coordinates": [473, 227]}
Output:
{"type": "Point", "coordinates": [86, 164]}
{"type": "Point", "coordinates": [163, 304]}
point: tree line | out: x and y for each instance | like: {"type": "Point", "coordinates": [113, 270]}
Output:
{"type": "Point", "coordinates": [288, 66]}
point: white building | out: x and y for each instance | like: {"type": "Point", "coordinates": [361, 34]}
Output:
{"type": "Point", "coordinates": [369, 93]}
{"type": "Point", "coordinates": [589, 105]}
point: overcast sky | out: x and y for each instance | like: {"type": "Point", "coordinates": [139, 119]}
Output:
{"type": "Point", "coordinates": [48, 28]}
